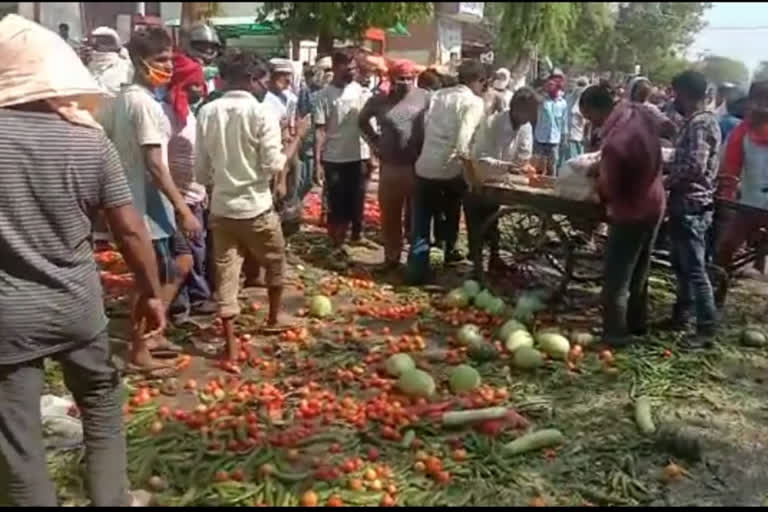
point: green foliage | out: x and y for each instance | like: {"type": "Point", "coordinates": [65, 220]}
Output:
{"type": "Point", "coordinates": [663, 70]}
{"type": "Point", "coordinates": [342, 20]}
{"type": "Point", "coordinates": [543, 25]}
{"type": "Point", "coordinates": [722, 69]}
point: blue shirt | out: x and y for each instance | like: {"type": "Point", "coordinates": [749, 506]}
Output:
{"type": "Point", "coordinates": [728, 123]}
{"type": "Point", "coordinates": [551, 121]}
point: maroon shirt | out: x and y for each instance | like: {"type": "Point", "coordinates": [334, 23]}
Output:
{"type": "Point", "coordinates": [630, 182]}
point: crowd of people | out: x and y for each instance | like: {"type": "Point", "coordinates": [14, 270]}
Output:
{"type": "Point", "coordinates": [198, 156]}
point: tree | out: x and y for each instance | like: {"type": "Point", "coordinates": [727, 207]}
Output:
{"type": "Point", "coordinates": [340, 20]}
{"type": "Point", "coordinates": [525, 28]}
{"type": "Point", "coordinates": [722, 69]}
{"type": "Point", "coordinates": [663, 70]}
{"type": "Point", "coordinates": [761, 73]}
{"type": "Point", "coordinates": [650, 33]}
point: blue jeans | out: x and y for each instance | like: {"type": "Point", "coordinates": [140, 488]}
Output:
{"type": "Point", "coordinates": [195, 289]}
{"type": "Point", "coordinates": [688, 249]}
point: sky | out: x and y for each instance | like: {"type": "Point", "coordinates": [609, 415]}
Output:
{"type": "Point", "coordinates": [738, 30]}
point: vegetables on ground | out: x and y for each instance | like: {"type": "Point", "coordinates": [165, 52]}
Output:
{"type": "Point", "coordinates": [457, 298]}
{"type": "Point", "coordinates": [752, 337]}
{"type": "Point", "coordinates": [416, 383]}
{"type": "Point", "coordinates": [643, 415]}
{"type": "Point", "coordinates": [556, 345]}
{"type": "Point", "coordinates": [483, 299]}
{"type": "Point", "coordinates": [534, 441]}
{"type": "Point", "coordinates": [457, 418]}
{"type": "Point", "coordinates": [469, 335]}
{"type": "Point", "coordinates": [471, 288]}
{"type": "Point", "coordinates": [518, 339]}
{"type": "Point", "coordinates": [482, 352]}
{"type": "Point", "coordinates": [320, 306]}
{"type": "Point", "coordinates": [397, 364]}
{"type": "Point", "coordinates": [463, 378]}
{"type": "Point", "coordinates": [527, 358]}
{"type": "Point", "coordinates": [582, 338]}
{"type": "Point", "coordinates": [509, 327]}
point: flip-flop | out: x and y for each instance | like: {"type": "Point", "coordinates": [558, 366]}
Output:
{"type": "Point", "coordinates": [153, 373]}
{"type": "Point", "coordinates": [275, 329]}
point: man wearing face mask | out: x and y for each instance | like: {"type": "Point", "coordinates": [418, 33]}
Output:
{"type": "Point", "coordinates": [140, 130]}
{"type": "Point", "coordinates": [550, 125]}
{"type": "Point", "coordinates": [187, 88]}
{"type": "Point", "coordinates": [203, 45]}
{"type": "Point", "coordinates": [107, 64]}
{"type": "Point", "coordinates": [399, 115]}
{"type": "Point", "coordinates": [690, 181]}
{"type": "Point", "coordinates": [339, 149]}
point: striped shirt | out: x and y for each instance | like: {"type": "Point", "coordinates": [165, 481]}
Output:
{"type": "Point", "coordinates": [181, 156]}
{"type": "Point", "coordinates": [53, 176]}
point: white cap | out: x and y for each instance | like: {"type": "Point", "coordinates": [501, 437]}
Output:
{"type": "Point", "coordinates": [108, 32]}
{"type": "Point", "coordinates": [324, 63]}
{"type": "Point", "coordinates": [501, 79]}
{"type": "Point", "coordinates": [281, 66]}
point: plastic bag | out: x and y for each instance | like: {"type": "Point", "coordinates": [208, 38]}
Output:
{"type": "Point", "coordinates": [575, 180]}
{"type": "Point", "coordinates": [60, 430]}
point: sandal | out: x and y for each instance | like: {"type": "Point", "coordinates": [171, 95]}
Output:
{"type": "Point", "coordinates": [154, 373]}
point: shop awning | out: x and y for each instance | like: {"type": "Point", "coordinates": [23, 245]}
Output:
{"type": "Point", "coordinates": [399, 30]}
{"type": "Point", "coordinates": [237, 26]}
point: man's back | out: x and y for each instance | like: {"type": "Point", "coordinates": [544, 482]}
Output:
{"type": "Point", "coordinates": [52, 176]}
{"type": "Point", "coordinates": [238, 150]}
{"type": "Point", "coordinates": [448, 110]}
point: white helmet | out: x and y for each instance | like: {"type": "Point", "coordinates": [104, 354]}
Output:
{"type": "Point", "coordinates": [203, 34]}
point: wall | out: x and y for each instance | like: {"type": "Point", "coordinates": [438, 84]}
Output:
{"type": "Point", "coordinates": [420, 47]}
{"type": "Point", "coordinates": [172, 10]}
{"type": "Point", "coordinates": [52, 14]}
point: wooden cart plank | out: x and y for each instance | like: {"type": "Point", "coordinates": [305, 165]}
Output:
{"type": "Point", "coordinates": [542, 199]}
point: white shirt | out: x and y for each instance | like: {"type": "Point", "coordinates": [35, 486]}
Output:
{"type": "Point", "coordinates": [498, 146]}
{"type": "Point", "coordinates": [239, 149]}
{"type": "Point", "coordinates": [137, 119]}
{"type": "Point", "coordinates": [450, 122]}
{"type": "Point", "coordinates": [338, 110]}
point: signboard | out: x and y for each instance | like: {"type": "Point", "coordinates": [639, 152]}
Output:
{"type": "Point", "coordinates": [448, 40]}
{"type": "Point", "coordinates": [475, 9]}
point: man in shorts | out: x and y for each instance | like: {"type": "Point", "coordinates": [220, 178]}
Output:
{"type": "Point", "coordinates": [339, 149]}
{"type": "Point", "coordinates": [140, 129]}
{"type": "Point", "coordinates": [239, 151]}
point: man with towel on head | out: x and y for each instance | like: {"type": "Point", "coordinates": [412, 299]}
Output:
{"type": "Point", "coordinates": [57, 167]}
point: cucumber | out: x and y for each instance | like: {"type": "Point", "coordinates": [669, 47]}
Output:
{"type": "Point", "coordinates": [534, 441]}
{"type": "Point", "coordinates": [643, 416]}
{"type": "Point", "coordinates": [456, 418]}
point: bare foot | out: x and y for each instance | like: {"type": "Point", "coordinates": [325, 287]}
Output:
{"type": "Point", "coordinates": [162, 344]}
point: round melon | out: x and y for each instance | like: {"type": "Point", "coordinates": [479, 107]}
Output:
{"type": "Point", "coordinates": [518, 339]}
{"type": "Point", "coordinates": [527, 358]}
{"type": "Point", "coordinates": [457, 298]}
{"type": "Point", "coordinates": [482, 299]}
{"type": "Point", "coordinates": [582, 338]}
{"type": "Point", "coordinates": [320, 306]}
{"type": "Point", "coordinates": [509, 327]}
{"type": "Point", "coordinates": [752, 337]}
{"type": "Point", "coordinates": [495, 306]}
{"type": "Point", "coordinates": [397, 364]}
{"type": "Point", "coordinates": [463, 378]}
{"type": "Point", "coordinates": [471, 288]}
{"type": "Point", "coordinates": [556, 345]}
{"type": "Point", "coordinates": [468, 335]}
{"type": "Point", "coordinates": [416, 383]}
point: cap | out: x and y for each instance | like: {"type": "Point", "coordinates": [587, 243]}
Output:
{"type": "Point", "coordinates": [501, 79]}
{"type": "Point", "coordinates": [324, 62]}
{"type": "Point", "coordinates": [281, 66]}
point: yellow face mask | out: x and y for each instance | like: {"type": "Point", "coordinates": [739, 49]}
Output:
{"type": "Point", "coordinates": [156, 77]}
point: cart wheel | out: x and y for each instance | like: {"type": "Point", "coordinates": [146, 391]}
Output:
{"type": "Point", "coordinates": [521, 235]}
{"type": "Point", "coordinates": [575, 249]}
